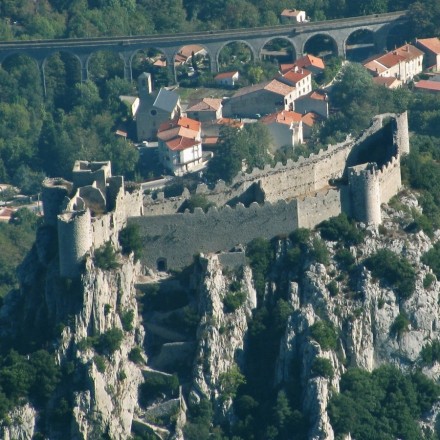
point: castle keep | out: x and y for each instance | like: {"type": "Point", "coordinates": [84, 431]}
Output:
{"type": "Point", "coordinates": [355, 176]}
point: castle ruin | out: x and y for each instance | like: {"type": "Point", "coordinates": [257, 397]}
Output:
{"type": "Point", "coordinates": [355, 177]}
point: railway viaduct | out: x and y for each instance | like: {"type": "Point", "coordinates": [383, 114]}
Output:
{"type": "Point", "coordinates": [338, 31]}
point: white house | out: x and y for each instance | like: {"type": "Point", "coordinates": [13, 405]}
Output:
{"type": "Point", "coordinates": [431, 48]}
{"type": "Point", "coordinates": [227, 79]}
{"type": "Point", "coordinates": [402, 63]}
{"type": "Point", "coordinates": [299, 78]}
{"type": "Point", "coordinates": [293, 15]}
{"type": "Point", "coordinates": [180, 145]}
{"type": "Point", "coordinates": [285, 127]}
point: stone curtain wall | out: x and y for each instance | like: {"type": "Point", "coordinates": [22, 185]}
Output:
{"type": "Point", "coordinates": [179, 237]}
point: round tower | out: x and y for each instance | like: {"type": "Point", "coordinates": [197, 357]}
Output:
{"type": "Point", "coordinates": [74, 241]}
{"type": "Point", "coordinates": [53, 194]}
{"type": "Point", "coordinates": [365, 194]}
{"type": "Point", "coordinates": [402, 135]}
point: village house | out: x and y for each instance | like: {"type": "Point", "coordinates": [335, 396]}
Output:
{"type": "Point", "coordinates": [427, 86]}
{"type": "Point", "coordinates": [211, 131]}
{"type": "Point", "coordinates": [154, 108]}
{"type": "Point", "coordinates": [185, 54]}
{"type": "Point", "coordinates": [260, 99]}
{"type": "Point", "coordinates": [228, 79]}
{"type": "Point", "coordinates": [292, 16]}
{"type": "Point", "coordinates": [402, 63]}
{"type": "Point", "coordinates": [431, 49]}
{"type": "Point", "coordinates": [180, 145]}
{"type": "Point", "coordinates": [316, 101]}
{"type": "Point", "coordinates": [389, 82]}
{"type": "Point", "coordinates": [299, 78]}
{"type": "Point", "coordinates": [286, 129]}
{"type": "Point", "coordinates": [311, 63]}
{"type": "Point", "coordinates": [207, 109]}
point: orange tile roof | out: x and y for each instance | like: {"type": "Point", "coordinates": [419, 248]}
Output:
{"type": "Point", "coordinates": [181, 143]}
{"type": "Point", "coordinates": [433, 44]}
{"type": "Point", "coordinates": [282, 117]}
{"type": "Point", "coordinates": [284, 68]}
{"type": "Point", "coordinates": [225, 75]}
{"type": "Point", "coordinates": [295, 76]}
{"type": "Point", "coordinates": [273, 86]}
{"type": "Point", "coordinates": [310, 118]}
{"type": "Point", "coordinates": [319, 96]}
{"type": "Point", "coordinates": [290, 13]}
{"type": "Point", "coordinates": [183, 121]}
{"type": "Point", "coordinates": [310, 60]}
{"type": "Point", "coordinates": [381, 63]}
{"type": "Point", "coordinates": [206, 104]}
{"type": "Point", "coordinates": [186, 51]}
{"type": "Point", "coordinates": [387, 81]}
{"type": "Point", "coordinates": [428, 85]}
{"type": "Point", "coordinates": [230, 122]}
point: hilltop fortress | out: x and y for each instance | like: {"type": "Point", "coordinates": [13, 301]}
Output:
{"type": "Point", "coordinates": [355, 177]}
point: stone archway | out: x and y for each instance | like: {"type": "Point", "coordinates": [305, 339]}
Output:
{"type": "Point", "coordinates": [360, 45]}
{"type": "Point", "coordinates": [279, 49]}
{"type": "Point", "coordinates": [239, 51]}
{"type": "Point", "coordinates": [321, 45]}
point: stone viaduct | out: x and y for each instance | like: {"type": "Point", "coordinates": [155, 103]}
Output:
{"type": "Point", "coordinates": [338, 31]}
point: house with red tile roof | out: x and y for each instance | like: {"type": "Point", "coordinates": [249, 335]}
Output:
{"type": "Point", "coordinates": [427, 86]}
{"type": "Point", "coordinates": [402, 63]}
{"type": "Point", "coordinates": [186, 53]}
{"type": "Point", "coordinates": [285, 127]}
{"type": "Point", "coordinates": [180, 145]}
{"type": "Point", "coordinates": [211, 130]}
{"type": "Point", "coordinates": [206, 109]}
{"type": "Point", "coordinates": [262, 98]}
{"type": "Point", "coordinates": [310, 62]}
{"type": "Point", "coordinates": [431, 49]}
{"type": "Point", "coordinates": [293, 15]}
{"type": "Point", "coordinates": [316, 101]}
{"type": "Point", "coordinates": [388, 82]}
{"type": "Point", "coordinates": [227, 79]}
{"type": "Point", "coordinates": [299, 78]}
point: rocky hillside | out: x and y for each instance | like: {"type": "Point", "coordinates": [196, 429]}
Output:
{"type": "Point", "coordinates": [266, 349]}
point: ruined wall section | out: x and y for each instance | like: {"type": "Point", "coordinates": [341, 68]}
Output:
{"type": "Point", "coordinates": [179, 237]}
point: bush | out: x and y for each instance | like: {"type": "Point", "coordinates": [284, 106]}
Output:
{"type": "Point", "coordinates": [99, 362]}
{"type": "Point", "coordinates": [105, 257]}
{"type": "Point", "coordinates": [320, 252]}
{"type": "Point", "coordinates": [400, 326]}
{"type": "Point", "coordinates": [229, 382]}
{"type": "Point", "coordinates": [109, 342]}
{"type": "Point", "coordinates": [341, 228]}
{"type": "Point", "coordinates": [432, 259]}
{"type": "Point", "coordinates": [131, 241]}
{"type": "Point", "coordinates": [233, 300]}
{"type": "Point", "coordinates": [430, 353]}
{"type": "Point", "coordinates": [428, 280]}
{"type": "Point", "coordinates": [395, 270]}
{"type": "Point", "coordinates": [196, 201]}
{"type": "Point", "coordinates": [156, 384]}
{"type": "Point", "coordinates": [344, 257]}
{"type": "Point", "coordinates": [333, 288]}
{"type": "Point", "coordinates": [135, 355]}
{"type": "Point", "coordinates": [127, 317]}
{"type": "Point", "coordinates": [259, 253]}
{"type": "Point", "coordinates": [324, 333]}
{"type": "Point", "coordinates": [322, 367]}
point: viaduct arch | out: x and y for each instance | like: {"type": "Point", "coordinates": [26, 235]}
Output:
{"type": "Point", "coordinates": [297, 34]}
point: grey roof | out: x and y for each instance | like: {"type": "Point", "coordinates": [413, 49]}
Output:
{"type": "Point", "coordinates": [166, 100]}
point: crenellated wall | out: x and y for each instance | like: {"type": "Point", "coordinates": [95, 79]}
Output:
{"type": "Point", "coordinates": [263, 203]}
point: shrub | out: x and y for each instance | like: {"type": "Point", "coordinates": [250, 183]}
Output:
{"type": "Point", "coordinates": [399, 326]}
{"type": "Point", "coordinates": [344, 257]}
{"type": "Point", "coordinates": [105, 257]}
{"type": "Point", "coordinates": [395, 270]}
{"type": "Point", "coordinates": [233, 300]}
{"type": "Point", "coordinates": [131, 241]}
{"type": "Point", "coordinates": [320, 252]}
{"type": "Point", "coordinates": [428, 280]}
{"type": "Point", "coordinates": [430, 353]}
{"type": "Point", "coordinates": [259, 253]}
{"type": "Point", "coordinates": [230, 381]}
{"type": "Point", "coordinates": [196, 201]}
{"type": "Point", "coordinates": [156, 384]}
{"type": "Point", "coordinates": [127, 317]}
{"type": "Point", "coordinates": [135, 355]}
{"type": "Point", "coordinates": [324, 333]}
{"type": "Point", "coordinates": [99, 362]}
{"type": "Point", "coordinates": [341, 228]}
{"type": "Point", "coordinates": [322, 367]}
{"type": "Point", "coordinates": [333, 288]}
{"type": "Point", "coordinates": [109, 342]}
{"type": "Point", "coordinates": [432, 259]}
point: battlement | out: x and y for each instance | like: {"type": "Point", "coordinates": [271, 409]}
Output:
{"type": "Point", "coordinates": [354, 176]}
